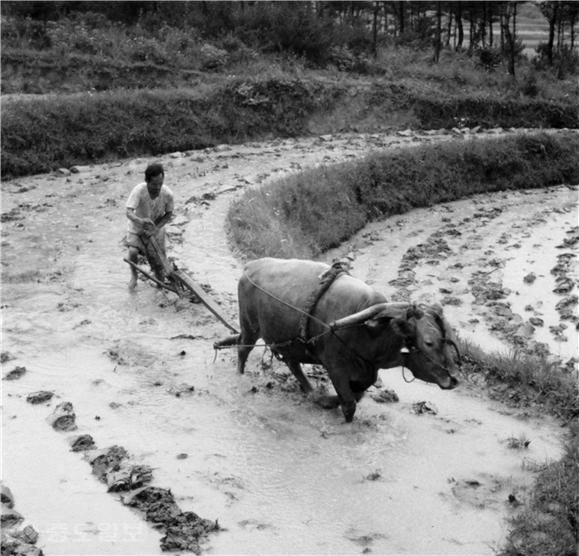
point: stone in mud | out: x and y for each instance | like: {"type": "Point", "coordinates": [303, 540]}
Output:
{"type": "Point", "coordinates": [530, 278]}
{"type": "Point", "coordinates": [39, 397]}
{"type": "Point", "coordinates": [82, 443]}
{"type": "Point", "coordinates": [63, 417]}
{"type": "Point", "coordinates": [28, 535]}
{"type": "Point", "coordinates": [107, 460]}
{"type": "Point", "coordinates": [129, 477]}
{"type": "Point", "coordinates": [15, 373]}
{"type": "Point", "coordinates": [185, 531]}
{"type": "Point", "coordinates": [385, 396]}
{"type": "Point", "coordinates": [424, 407]}
{"type": "Point", "coordinates": [6, 496]}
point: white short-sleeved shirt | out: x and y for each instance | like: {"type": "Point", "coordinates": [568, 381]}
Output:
{"type": "Point", "coordinates": [145, 207]}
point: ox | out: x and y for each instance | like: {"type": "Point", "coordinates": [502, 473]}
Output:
{"type": "Point", "coordinates": [350, 330]}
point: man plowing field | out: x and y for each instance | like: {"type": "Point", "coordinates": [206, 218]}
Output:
{"type": "Point", "coordinates": [149, 208]}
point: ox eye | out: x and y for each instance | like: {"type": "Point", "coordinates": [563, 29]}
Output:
{"type": "Point", "coordinates": [429, 343]}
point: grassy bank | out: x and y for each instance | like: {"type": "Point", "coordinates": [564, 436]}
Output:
{"type": "Point", "coordinates": [549, 521]}
{"type": "Point", "coordinates": [59, 131]}
{"type": "Point", "coordinates": [303, 215]}
{"type": "Point", "coordinates": [54, 131]}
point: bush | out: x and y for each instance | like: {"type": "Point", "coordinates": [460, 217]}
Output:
{"type": "Point", "coordinates": [489, 58]}
{"type": "Point", "coordinates": [565, 60]}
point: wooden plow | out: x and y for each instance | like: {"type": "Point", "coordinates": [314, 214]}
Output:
{"type": "Point", "coordinates": [178, 281]}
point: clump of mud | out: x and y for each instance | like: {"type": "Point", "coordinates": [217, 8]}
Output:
{"type": "Point", "coordinates": [183, 530]}
{"type": "Point", "coordinates": [82, 443]}
{"type": "Point", "coordinates": [385, 395]}
{"type": "Point", "coordinates": [18, 538]}
{"type": "Point", "coordinates": [41, 396]}
{"type": "Point", "coordinates": [564, 284]}
{"type": "Point", "coordinates": [15, 373]}
{"type": "Point", "coordinates": [63, 418]}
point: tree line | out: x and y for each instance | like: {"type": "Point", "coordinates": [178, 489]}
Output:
{"type": "Point", "coordinates": [310, 28]}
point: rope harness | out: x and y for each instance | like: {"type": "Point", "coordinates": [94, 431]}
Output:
{"type": "Point", "coordinates": [306, 314]}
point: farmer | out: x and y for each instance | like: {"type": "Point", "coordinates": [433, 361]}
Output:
{"type": "Point", "coordinates": [149, 208]}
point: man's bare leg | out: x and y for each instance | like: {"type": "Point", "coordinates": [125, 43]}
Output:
{"type": "Point", "coordinates": [133, 257]}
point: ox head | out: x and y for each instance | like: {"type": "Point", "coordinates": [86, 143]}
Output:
{"type": "Point", "coordinates": [428, 347]}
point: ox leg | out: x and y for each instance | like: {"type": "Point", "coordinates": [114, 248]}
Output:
{"type": "Point", "coordinates": [297, 371]}
{"type": "Point", "coordinates": [346, 396]}
{"type": "Point", "coordinates": [247, 341]}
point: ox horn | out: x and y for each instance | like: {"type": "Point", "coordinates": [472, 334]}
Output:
{"type": "Point", "coordinates": [385, 310]}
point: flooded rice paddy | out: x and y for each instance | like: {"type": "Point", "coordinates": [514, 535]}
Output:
{"type": "Point", "coordinates": [280, 475]}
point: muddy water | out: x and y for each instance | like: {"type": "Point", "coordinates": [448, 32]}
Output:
{"type": "Point", "coordinates": [280, 475]}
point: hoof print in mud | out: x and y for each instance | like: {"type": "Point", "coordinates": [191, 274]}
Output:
{"type": "Point", "coordinates": [63, 417]}
{"type": "Point", "coordinates": [39, 397]}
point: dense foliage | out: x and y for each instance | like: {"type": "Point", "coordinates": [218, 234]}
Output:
{"type": "Point", "coordinates": [319, 32]}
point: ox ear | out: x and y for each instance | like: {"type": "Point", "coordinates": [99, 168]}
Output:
{"type": "Point", "coordinates": [405, 325]}
{"type": "Point", "coordinates": [392, 314]}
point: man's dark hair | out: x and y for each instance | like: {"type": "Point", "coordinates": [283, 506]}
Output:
{"type": "Point", "coordinates": [155, 169]}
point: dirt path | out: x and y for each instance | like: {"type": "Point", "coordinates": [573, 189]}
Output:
{"type": "Point", "coordinates": [280, 475]}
